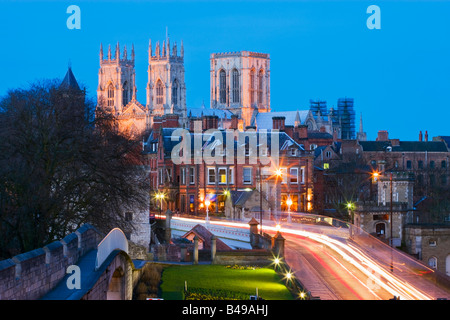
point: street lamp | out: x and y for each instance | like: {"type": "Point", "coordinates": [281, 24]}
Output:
{"type": "Point", "coordinates": [207, 203]}
{"type": "Point", "coordinates": [350, 207]}
{"type": "Point", "coordinates": [289, 204]}
{"type": "Point", "coordinates": [160, 196]}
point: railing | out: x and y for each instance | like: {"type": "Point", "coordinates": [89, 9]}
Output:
{"type": "Point", "coordinates": [115, 240]}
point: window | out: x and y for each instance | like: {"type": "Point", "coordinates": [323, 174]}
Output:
{"type": "Point", "coordinates": [432, 262]}
{"type": "Point", "coordinates": [191, 202]}
{"type": "Point", "coordinates": [252, 86]}
{"type": "Point", "coordinates": [191, 176]}
{"type": "Point", "coordinates": [247, 175]}
{"type": "Point", "coordinates": [260, 86]}
{"type": "Point", "coordinates": [302, 174]}
{"type": "Point", "coordinates": [408, 164]}
{"type": "Point", "coordinates": [293, 152]}
{"type": "Point", "coordinates": [222, 175]}
{"type": "Point", "coordinates": [443, 180]}
{"type": "Point", "coordinates": [128, 216]}
{"type": "Point", "coordinates": [183, 175]}
{"type": "Point", "coordinates": [283, 175]}
{"type": "Point", "coordinates": [161, 176]}
{"type": "Point", "coordinates": [222, 86]}
{"type": "Point", "coordinates": [432, 164]}
{"type": "Point", "coordinates": [294, 175]}
{"type": "Point", "coordinates": [110, 101]}
{"type": "Point", "coordinates": [125, 94]}
{"type": "Point", "coordinates": [443, 164]}
{"type": "Point", "coordinates": [175, 92]}
{"type": "Point", "coordinates": [211, 175]}
{"type": "Point", "coordinates": [159, 93]}
{"type": "Point", "coordinates": [420, 164]}
{"type": "Point", "coordinates": [328, 154]}
{"type": "Point", "coordinates": [235, 84]}
{"type": "Point", "coordinates": [326, 165]}
{"type": "Point", "coordinates": [313, 146]}
{"type": "Point", "coordinates": [231, 175]}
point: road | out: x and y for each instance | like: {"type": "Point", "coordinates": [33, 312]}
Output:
{"type": "Point", "coordinates": [326, 274]}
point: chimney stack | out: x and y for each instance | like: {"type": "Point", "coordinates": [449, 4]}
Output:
{"type": "Point", "coordinates": [420, 136]}
{"type": "Point", "coordinates": [383, 135]}
{"type": "Point", "coordinates": [278, 123]}
{"type": "Point", "coordinates": [426, 135]}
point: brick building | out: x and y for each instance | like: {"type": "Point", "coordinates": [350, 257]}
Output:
{"type": "Point", "coordinates": [229, 160]}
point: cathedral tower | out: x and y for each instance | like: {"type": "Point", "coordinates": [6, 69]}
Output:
{"type": "Point", "coordinates": [240, 82]}
{"type": "Point", "coordinates": [116, 79]}
{"type": "Point", "coordinates": [116, 92]}
{"type": "Point", "coordinates": [166, 89]}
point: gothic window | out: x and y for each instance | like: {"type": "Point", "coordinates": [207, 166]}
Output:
{"type": "Point", "coordinates": [125, 94]}
{"type": "Point", "coordinates": [222, 86]}
{"type": "Point", "coordinates": [175, 92]}
{"type": "Point", "coordinates": [235, 86]}
{"type": "Point", "coordinates": [252, 86]}
{"type": "Point", "coordinates": [159, 93]}
{"type": "Point", "coordinates": [110, 101]}
{"type": "Point", "coordinates": [260, 86]}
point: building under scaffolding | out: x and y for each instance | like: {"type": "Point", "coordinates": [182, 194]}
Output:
{"type": "Point", "coordinates": [346, 115]}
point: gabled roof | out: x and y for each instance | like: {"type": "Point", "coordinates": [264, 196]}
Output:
{"type": "Point", "coordinates": [264, 119]}
{"type": "Point", "coordinates": [69, 81]}
{"type": "Point", "coordinates": [206, 236]}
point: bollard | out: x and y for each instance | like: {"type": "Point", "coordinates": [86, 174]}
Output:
{"type": "Point", "coordinates": [195, 250]}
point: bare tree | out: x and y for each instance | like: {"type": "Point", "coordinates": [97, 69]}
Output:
{"type": "Point", "coordinates": [62, 165]}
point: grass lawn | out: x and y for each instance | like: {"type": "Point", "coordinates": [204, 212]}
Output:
{"type": "Point", "coordinates": [219, 277]}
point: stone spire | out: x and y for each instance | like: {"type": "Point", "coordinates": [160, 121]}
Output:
{"type": "Point", "coordinates": [101, 52]}
{"type": "Point", "coordinates": [109, 52]}
{"type": "Point", "coordinates": [117, 52]}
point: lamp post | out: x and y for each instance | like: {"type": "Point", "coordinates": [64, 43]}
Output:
{"type": "Point", "coordinates": [160, 196]}
{"type": "Point", "coordinates": [289, 204]}
{"type": "Point", "coordinates": [207, 203]}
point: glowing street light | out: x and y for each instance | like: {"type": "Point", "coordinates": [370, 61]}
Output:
{"type": "Point", "coordinates": [289, 204]}
{"type": "Point", "coordinates": [207, 203]}
{"type": "Point", "coordinates": [160, 196]}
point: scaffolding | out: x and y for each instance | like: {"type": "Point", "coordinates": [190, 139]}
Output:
{"type": "Point", "coordinates": [346, 115]}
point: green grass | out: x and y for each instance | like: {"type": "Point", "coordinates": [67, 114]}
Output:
{"type": "Point", "coordinates": [220, 278]}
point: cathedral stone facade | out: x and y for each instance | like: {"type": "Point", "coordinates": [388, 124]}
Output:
{"type": "Point", "coordinates": [166, 89]}
{"type": "Point", "coordinates": [240, 82]}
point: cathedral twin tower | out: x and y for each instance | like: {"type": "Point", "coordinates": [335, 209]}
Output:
{"type": "Point", "coordinates": [166, 89]}
{"type": "Point", "coordinates": [240, 84]}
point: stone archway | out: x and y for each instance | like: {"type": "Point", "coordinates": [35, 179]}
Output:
{"type": "Point", "coordinates": [116, 289]}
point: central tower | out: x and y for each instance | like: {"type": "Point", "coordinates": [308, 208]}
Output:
{"type": "Point", "coordinates": [240, 82]}
{"type": "Point", "coordinates": [166, 89]}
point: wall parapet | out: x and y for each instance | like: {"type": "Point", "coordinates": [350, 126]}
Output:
{"type": "Point", "coordinates": [30, 275]}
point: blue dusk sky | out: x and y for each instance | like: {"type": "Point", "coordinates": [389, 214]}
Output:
{"type": "Point", "coordinates": [399, 75]}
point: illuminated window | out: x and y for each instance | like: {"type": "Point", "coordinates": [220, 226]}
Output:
{"type": "Point", "coordinates": [222, 175]}
{"type": "Point", "coordinates": [326, 165]}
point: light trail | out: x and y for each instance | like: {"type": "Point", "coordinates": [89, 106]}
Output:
{"type": "Point", "coordinates": [349, 253]}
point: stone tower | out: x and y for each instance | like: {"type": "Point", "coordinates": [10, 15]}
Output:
{"type": "Point", "coordinates": [240, 82]}
{"type": "Point", "coordinates": [116, 92]}
{"type": "Point", "coordinates": [166, 89]}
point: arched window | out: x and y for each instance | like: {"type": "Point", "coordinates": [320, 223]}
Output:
{"type": "Point", "coordinates": [175, 92]}
{"type": "Point", "coordinates": [110, 100]}
{"type": "Point", "coordinates": [252, 86]}
{"type": "Point", "coordinates": [235, 78]}
{"type": "Point", "coordinates": [159, 92]}
{"type": "Point", "coordinates": [222, 86]}
{"type": "Point", "coordinates": [432, 262]}
{"type": "Point", "coordinates": [125, 94]}
{"type": "Point", "coordinates": [260, 86]}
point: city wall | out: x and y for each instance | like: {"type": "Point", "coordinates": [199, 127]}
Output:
{"type": "Point", "coordinates": [30, 275]}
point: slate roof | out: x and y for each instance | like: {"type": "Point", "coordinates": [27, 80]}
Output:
{"type": "Point", "coordinates": [206, 236]}
{"type": "Point", "coordinates": [199, 112]}
{"type": "Point", "coordinates": [285, 142]}
{"type": "Point", "coordinates": [405, 146]}
{"type": "Point", "coordinates": [264, 119]}
{"type": "Point", "coordinates": [69, 81]}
